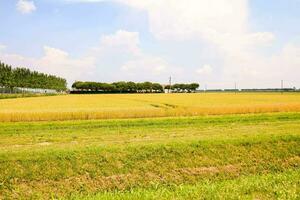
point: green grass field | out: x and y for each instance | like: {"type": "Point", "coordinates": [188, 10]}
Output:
{"type": "Point", "coordinates": [20, 95]}
{"type": "Point", "coordinates": [229, 156]}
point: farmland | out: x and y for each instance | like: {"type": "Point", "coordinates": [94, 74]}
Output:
{"type": "Point", "coordinates": [117, 106]}
{"type": "Point", "coordinates": [158, 146]}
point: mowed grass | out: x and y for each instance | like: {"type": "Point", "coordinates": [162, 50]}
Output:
{"type": "Point", "coordinates": [117, 106]}
{"type": "Point", "coordinates": [249, 156]}
{"type": "Point", "coordinates": [283, 185]}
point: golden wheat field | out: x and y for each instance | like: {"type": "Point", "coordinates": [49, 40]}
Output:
{"type": "Point", "coordinates": [112, 106]}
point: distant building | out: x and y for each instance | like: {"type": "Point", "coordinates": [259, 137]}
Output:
{"type": "Point", "coordinates": [166, 90]}
{"type": "Point", "coordinates": [27, 90]}
{"type": "Point", "coordinates": [37, 90]}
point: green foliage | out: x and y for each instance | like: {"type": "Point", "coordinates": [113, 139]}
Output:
{"type": "Point", "coordinates": [24, 78]}
{"type": "Point", "coordinates": [131, 87]}
{"type": "Point", "coordinates": [14, 96]}
{"type": "Point", "coordinates": [118, 87]}
{"type": "Point", "coordinates": [184, 87]}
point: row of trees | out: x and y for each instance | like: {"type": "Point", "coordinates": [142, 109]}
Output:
{"type": "Point", "coordinates": [118, 87]}
{"type": "Point", "coordinates": [130, 87]}
{"type": "Point", "coordinates": [24, 78]}
{"type": "Point", "coordinates": [183, 87]}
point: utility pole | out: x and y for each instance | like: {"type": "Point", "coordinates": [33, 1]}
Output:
{"type": "Point", "coordinates": [170, 84]}
{"type": "Point", "coordinates": [235, 87]}
{"type": "Point", "coordinates": [281, 86]}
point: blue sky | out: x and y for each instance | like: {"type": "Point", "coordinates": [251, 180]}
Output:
{"type": "Point", "coordinates": [217, 43]}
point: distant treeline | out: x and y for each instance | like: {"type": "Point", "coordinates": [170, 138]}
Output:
{"type": "Point", "coordinates": [117, 87]}
{"type": "Point", "coordinates": [271, 90]}
{"type": "Point", "coordinates": [25, 78]}
{"type": "Point", "coordinates": [129, 87]}
{"type": "Point", "coordinates": [181, 87]}
{"type": "Point", "coordinates": [253, 90]}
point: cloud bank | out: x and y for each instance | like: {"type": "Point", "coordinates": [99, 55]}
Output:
{"type": "Point", "coordinates": [222, 25]}
{"type": "Point", "coordinates": [122, 46]}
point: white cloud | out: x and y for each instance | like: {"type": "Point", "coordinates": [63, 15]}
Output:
{"type": "Point", "coordinates": [122, 47]}
{"type": "Point", "coordinates": [205, 70]}
{"type": "Point", "coordinates": [223, 24]}
{"type": "Point", "coordinates": [128, 41]}
{"type": "Point", "coordinates": [59, 62]}
{"type": "Point", "coordinates": [138, 63]}
{"type": "Point", "coordinates": [25, 6]}
{"type": "Point", "coordinates": [2, 47]}
{"type": "Point", "coordinates": [260, 38]}
{"type": "Point", "coordinates": [286, 64]}
{"type": "Point", "coordinates": [145, 64]}
{"type": "Point", "coordinates": [54, 61]}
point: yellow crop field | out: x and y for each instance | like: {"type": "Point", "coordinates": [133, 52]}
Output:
{"type": "Point", "coordinates": [113, 106]}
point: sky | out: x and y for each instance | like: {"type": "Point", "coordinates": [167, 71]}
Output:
{"type": "Point", "coordinates": [217, 43]}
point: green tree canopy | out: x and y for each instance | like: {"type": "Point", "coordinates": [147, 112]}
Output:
{"type": "Point", "coordinates": [24, 78]}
